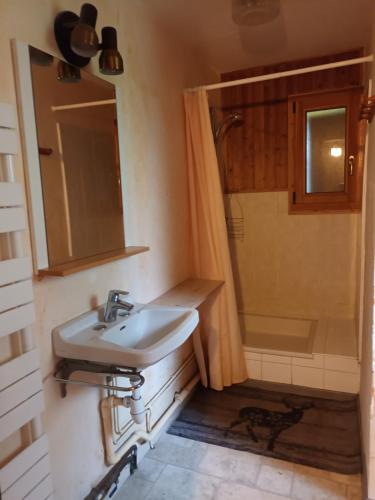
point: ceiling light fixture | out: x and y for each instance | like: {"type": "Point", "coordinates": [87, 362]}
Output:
{"type": "Point", "coordinates": [336, 152]}
{"type": "Point", "coordinates": [78, 42]}
{"type": "Point", "coordinates": [254, 12]}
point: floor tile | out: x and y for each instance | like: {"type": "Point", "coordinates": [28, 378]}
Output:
{"type": "Point", "coordinates": [134, 488]}
{"type": "Point", "coordinates": [234, 491]}
{"type": "Point", "coordinates": [149, 469]}
{"type": "Point", "coordinates": [183, 469]}
{"type": "Point", "coordinates": [352, 479]}
{"type": "Point", "coordinates": [237, 466]}
{"type": "Point", "coordinates": [276, 462]}
{"type": "Point", "coordinates": [177, 451]}
{"type": "Point", "coordinates": [176, 483]}
{"type": "Point", "coordinates": [276, 479]}
{"type": "Point", "coordinates": [177, 440]}
{"type": "Point", "coordinates": [354, 493]}
{"type": "Point", "coordinates": [317, 488]}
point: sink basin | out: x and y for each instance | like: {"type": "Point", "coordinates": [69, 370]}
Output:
{"type": "Point", "coordinates": [139, 340]}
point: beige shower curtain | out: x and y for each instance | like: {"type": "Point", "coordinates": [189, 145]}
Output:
{"type": "Point", "coordinates": [219, 328]}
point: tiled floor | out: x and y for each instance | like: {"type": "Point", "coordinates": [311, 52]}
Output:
{"type": "Point", "coordinates": [181, 469]}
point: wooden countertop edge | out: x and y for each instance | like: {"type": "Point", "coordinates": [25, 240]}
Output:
{"type": "Point", "coordinates": [189, 293]}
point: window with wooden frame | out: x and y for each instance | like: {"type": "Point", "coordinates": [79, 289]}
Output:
{"type": "Point", "coordinates": [325, 154]}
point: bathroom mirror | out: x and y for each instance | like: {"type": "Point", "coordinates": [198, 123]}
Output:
{"type": "Point", "coordinates": [72, 153]}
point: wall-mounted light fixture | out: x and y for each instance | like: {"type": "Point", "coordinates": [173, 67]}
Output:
{"type": "Point", "coordinates": [67, 73]}
{"type": "Point", "coordinates": [254, 12]}
{"type": "Point", "coordinates": [78, 42]}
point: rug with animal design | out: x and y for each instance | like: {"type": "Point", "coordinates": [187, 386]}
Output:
{"type": "Point", "coordinates": [306, 426]}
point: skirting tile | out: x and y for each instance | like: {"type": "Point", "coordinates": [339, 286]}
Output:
{"type": "Point", "coordinates": [276, 372]}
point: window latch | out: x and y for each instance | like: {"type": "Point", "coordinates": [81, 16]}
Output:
{"type": "Point", "coordinates": [351, 164]}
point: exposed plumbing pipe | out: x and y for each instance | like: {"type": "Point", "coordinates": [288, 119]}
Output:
{"type": "Point", "coordinates": [121, 431]}
{"type": "Point", "coordinates": [140, 436]}
{"type": "Point", "coordinates": [135, 403]}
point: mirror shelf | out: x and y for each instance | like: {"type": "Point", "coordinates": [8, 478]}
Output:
{"type": "Point", "coordinates": [77, 266]}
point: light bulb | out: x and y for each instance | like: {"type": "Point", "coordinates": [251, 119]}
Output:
{"type": "Point", "coordinates": [336, 152]}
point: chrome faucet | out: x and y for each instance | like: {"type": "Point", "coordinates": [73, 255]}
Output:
{"type": "Point", "coordinates": [114, 303]}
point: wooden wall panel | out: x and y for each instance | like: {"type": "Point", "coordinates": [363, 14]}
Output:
{"type": "Point", "coordinates": [256, 154]}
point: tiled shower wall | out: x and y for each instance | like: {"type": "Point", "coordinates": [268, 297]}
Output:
{"type": "Point", "coordinates": [293, 265]}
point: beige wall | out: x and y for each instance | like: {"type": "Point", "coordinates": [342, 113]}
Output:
{"type": "Point", "coordinates": [293, 265]}
{"type": "Point", "coordinates": [157, 68]}
{"type": "Point", "coordinates": [367, 364]}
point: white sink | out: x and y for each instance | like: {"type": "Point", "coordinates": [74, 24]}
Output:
{"type": "Point", "coordinates": [149, 334]}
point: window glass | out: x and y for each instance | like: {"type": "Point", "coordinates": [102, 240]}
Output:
{"type": "Point", "coordinates": [325, 150]}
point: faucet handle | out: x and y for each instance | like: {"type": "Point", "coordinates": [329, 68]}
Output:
{"type": "Point", "coordinates": [120, 292]}
{"type": "Point", "coordinates": [115, 294]}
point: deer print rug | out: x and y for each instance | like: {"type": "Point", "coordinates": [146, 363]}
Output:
{"type": "Point", "coordinates": [307, 426]}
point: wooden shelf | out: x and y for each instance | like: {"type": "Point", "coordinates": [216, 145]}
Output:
{"type": "Point", "coordinates": [190, 293]}
{"type": "Point", "coordinates": [89, 262]}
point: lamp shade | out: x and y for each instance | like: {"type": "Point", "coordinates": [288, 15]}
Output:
{"type": "Point", "coordinates": [67, 73]}
{"type": "Point", "coordinates": [84, 40]}
{"type": "Point", "coordinates": [110, 60]}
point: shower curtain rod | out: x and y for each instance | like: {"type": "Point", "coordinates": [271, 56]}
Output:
{"type": "Point", "coordinates": [282, 74]}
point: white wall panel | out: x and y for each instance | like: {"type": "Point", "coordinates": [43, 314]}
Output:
{"type": "Point", "coordinates": [8, 141]}
{"type": "Point", "coordinates": [12, 219]}
{"type": "Point", "coordinates": [23, 462]}
{"type": "Point", "coordinates": [20, 391]}
{"type": "Point", "coordinates": [7, 116]}
{"type": "Point", "coordinates": [27, 475]}
{"type": "Point", "coordinates": [28, 481]}
{"type": "Point", "coordinates": [15, 295]}
{"type": "Point", "coordinates": [18, 368]}
{"type": "Point", "coordinates": [15, 319]}
{"type": "Point", "coordinates": [42, 491]}
{"type": "Point", "coordinates": [12, 270]}
{"type": "Point", "coordinates": [11, 194]}
{"type": "Point", "coordinates": [21, 415]}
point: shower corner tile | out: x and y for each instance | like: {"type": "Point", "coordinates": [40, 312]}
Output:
{"type": "Point", "coordinates": [254, 369]}
{"type": "Point", "coordinates": [255, 356]}
{"type": "Point", "coordinates": [308, 377]}
{"type": "Point", "coordinates": [272, 358]}
{"type": "Point", "coordinates": [276, 372]}
{"type": "Point", "coordinates": [319, 346]}
{"type": "Point", "coordinates": [341, 381]}
{"type": "Point", "coordinates": [316, 361]}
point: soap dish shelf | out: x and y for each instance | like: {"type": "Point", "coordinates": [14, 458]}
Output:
{"type": "Point", "coordinates": [66, 367]}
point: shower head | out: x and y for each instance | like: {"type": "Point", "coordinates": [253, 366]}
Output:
{"type": "Point", "coordinates": [232, 120]}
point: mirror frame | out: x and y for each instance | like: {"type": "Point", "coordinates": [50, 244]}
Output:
{"type": "Point", "coordinates": [28, 132]}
